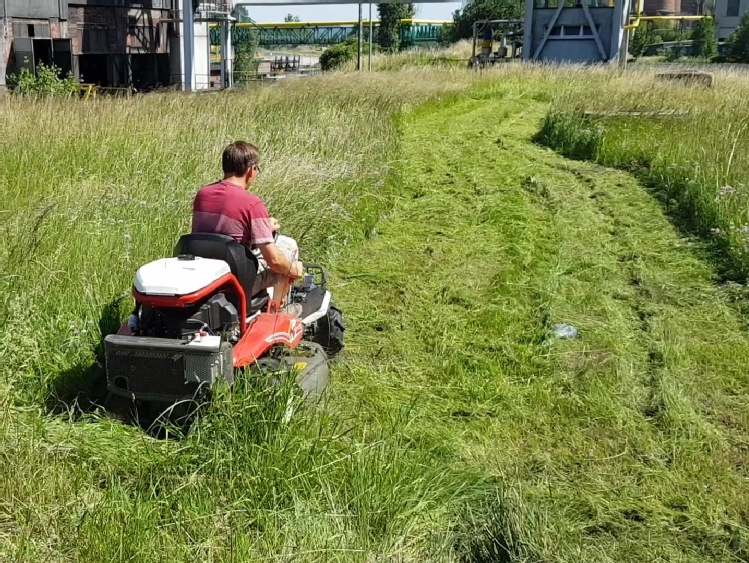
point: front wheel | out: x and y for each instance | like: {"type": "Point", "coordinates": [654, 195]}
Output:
{"type": "Point", "coordinates": [330, 332]}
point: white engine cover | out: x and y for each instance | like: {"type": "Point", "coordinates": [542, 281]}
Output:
{"type": "Point", "coordinates": [171, 276]}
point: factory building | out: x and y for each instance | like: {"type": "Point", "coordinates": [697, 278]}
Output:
{"type": "Point", "coordinates": [111, 43]}
{"type": "Point", "coordinates": [32, 33]}
{"type": "Point", "coordinates": [119, 43]}
{"type": "Point", "coordinates": [728, 15]}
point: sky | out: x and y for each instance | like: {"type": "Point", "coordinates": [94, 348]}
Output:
{"type": "Point", "coordinates": [343, 12]}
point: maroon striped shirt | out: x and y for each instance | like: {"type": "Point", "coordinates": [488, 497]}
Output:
{"type": "Point", "coordinates": [227, 209]}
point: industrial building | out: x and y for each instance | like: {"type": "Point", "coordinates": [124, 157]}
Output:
{"type": "Point", "coordinates": [728, 16]}
{"type": "Point", "coordinates": [111, 43]}
{"type": "Point", "coordinates": [33, 32]}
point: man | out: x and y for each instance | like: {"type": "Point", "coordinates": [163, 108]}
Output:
{"type": "Point", "coordinates": [227, 207]}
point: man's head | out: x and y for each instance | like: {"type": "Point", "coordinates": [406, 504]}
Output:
{"type": "Point", "coordinates": [240, 162]}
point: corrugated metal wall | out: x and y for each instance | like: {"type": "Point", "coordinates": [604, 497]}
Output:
{"type": "Point", "coordinates": [41, 9]}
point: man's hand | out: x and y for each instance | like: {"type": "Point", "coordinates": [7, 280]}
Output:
{"type": "Point", "coordinates": [279, 263]}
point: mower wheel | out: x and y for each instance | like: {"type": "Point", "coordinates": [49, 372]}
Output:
{"type": "Point", "coordinates": [330, 332]}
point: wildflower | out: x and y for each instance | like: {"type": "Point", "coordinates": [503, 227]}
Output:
{"type": "Point", "coordinates": [716, 231]}
{"type": "Point", "coordinates": [726, 191]}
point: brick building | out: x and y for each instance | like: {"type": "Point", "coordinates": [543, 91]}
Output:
{"type": "Point", "coordinates": [113, 43]}
{"type": "Point", "coordinates": [123, 42]}
{"type": "Point", "coordinates": [32, 33]}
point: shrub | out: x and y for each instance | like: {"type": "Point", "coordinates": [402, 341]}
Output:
{"type": "Point", "coordinates": [737, 45]}
{"type": "Point", "coordinates": [705, 45]}
{"type": "Point", "coordinates": [46, 82]}
{"type": "Point", "coordinates": [335, 56]}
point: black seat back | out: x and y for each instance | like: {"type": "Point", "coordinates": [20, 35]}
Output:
{"type": "Point", "coordinates": [242, 263]}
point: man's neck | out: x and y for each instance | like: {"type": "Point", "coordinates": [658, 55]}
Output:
{"type": "Point", "coordinates": [236, 181]}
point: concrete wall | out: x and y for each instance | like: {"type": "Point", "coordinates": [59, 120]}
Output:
{"type": "Point", "coordinates": [41, 9]}
{"type": "Point", "coordinates": [725, 25]}
{"type": "Point", "coordinates": [202, 64]}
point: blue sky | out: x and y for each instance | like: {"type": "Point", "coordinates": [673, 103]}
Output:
{"type": "Point", "coordinates": [328, 12]}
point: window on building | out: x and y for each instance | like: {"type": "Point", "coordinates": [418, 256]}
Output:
{"type": "Point", "coordinates": [34, 29]}
{"type": "Point", "coordinates": [571, 31]}
{"type": "Point", "coordinates": [94, 38]}
{"type": "Point", "coordinates": [733, 7]}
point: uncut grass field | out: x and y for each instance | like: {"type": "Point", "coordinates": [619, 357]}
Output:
{"type": "Point", "coordinates": [458, 232]}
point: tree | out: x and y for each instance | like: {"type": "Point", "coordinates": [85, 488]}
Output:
{"type": "Point", "coordinates": [737, 44]}
{"type": "Point", "coordinates": [462, 26]}
{"type": "Point", "coordinates": [242, 14]}
{"type": "Point", "coordinates": [245, 50]}
{"type": "Point", "coordinates": [643, 37]}
{"type": "Point", "coordinates": [704, 43]}
{"type": "Point", "coordinates": [291, 18]}
{"type": "Point", "coordinates": [390, 26]}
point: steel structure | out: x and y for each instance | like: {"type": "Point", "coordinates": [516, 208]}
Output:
{"type": "Point", "coordinates": [591, 31]}
{"type": "Point", "coordinates": [412, 32]}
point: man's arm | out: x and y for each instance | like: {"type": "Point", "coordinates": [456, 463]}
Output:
{"type": "Point", "coordinates": [277, 262]}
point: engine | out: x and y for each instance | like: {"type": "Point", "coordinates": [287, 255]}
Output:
{"type": "Point", "coordinates": [184, 275]}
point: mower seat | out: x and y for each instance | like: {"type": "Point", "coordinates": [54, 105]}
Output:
{"type": "Point", "coordinates": [242, 263]}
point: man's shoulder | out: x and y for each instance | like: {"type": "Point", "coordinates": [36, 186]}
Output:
{"type": "Point", "coordinates": [230, 198]}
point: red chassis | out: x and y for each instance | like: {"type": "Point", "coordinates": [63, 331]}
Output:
{"type": "Point", "coordinates": [257, 335]}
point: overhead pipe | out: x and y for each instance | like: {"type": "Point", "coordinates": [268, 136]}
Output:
{"type": "Point", "coordinates": [639, 17]}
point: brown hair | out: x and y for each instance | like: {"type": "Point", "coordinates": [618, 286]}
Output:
{"type": "Point", "coordinates": [238, 158]}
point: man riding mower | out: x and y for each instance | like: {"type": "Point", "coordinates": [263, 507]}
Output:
{"type": "Point", "coordinates": [225, 303]}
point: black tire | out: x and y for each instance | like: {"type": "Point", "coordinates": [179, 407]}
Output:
{"type": "Point", "coordinates": [330, 332]}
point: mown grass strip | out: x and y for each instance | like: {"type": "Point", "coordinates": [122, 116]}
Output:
{"type": "Point", "coordinates": [688, 143]}
{"type": "Point", "coordinates": [623, 444]}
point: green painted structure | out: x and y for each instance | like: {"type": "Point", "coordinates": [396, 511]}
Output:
{"type": "Point", "coordinates": [412, 32]}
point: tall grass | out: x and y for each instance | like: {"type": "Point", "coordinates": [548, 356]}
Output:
{"type": "Point", "coordinates": [690, 143]}
{"type": "Point", "coordinates": [457, 431]}
{"type": "Point", "coordinates": [456, 56]}
{"type": "Point", "coordinates": [93, 190]}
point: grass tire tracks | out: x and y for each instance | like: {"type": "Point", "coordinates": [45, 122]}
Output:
{"type": "Point", "coordinates": [614, 446]}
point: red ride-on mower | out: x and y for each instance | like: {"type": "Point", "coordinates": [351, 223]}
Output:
{"type": "Point", "coordinates": [196, 322]}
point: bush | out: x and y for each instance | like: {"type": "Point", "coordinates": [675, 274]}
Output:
{"type": "Point", "coordinates": [737, 45]}
{"type": "Point", "coordinates": [336, 56]}
{"type": "Point", "coordinates": [705, 45]}
{"type": "Point", "coordinates": [46, 82]}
